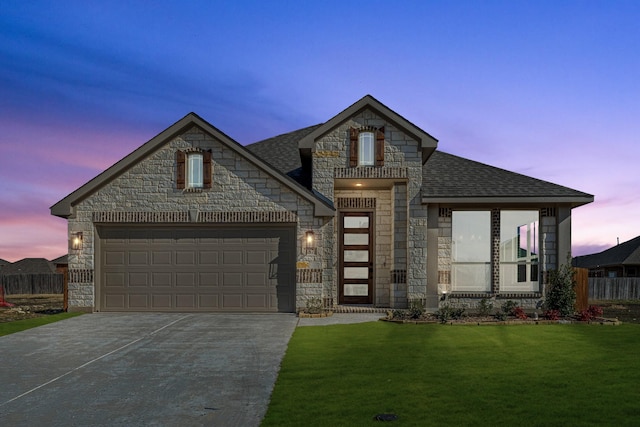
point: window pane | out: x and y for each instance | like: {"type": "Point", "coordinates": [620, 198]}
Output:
{"type": "Point", "coordinates": [519, 234]}
{"type": "Point", "coordinates": [356, 290]}
{"type": "Point", "coordinates": [356, 239]}
{"type": "Point", "coordinates": [356, 222]}
{"type": "Point", "coordinates": [365, 148]}
{"type": "Point", "coordinates": [471, 236]}
{"type": "Point", "coordinates": [356, 272]}
{"type": "Point", "coordinates": [471, 277]}
{"type": "Point", "coordinates": [471, 251]}
{"type": "Point", "coordinates": [356, 256]}
{"type": "Point", "coordinates": [194, 170]}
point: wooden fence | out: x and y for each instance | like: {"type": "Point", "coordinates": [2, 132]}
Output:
{"type": "Point", "coordinates": [36, 283]}
{"type": "Point", "coordinates": [619, 288]}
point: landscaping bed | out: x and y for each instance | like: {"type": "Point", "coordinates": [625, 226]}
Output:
{"type": "Point", "coordinates": [31, 306]}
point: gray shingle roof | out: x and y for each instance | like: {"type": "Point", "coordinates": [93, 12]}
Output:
{"type": "Point", "coordinates": [281, 151]}
{"type": "Point", "coordinates": [627, 253]}
{"type": "Point", "coordinates": [28, 266]}
{"type": "Point", "coordinates": [449, 176]}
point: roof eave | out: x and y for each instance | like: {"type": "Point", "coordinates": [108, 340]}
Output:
{"type": "Point", "coordinates": [495, 200]}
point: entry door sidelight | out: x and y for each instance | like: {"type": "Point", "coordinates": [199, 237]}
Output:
{"type": "Point", "coordinates": [356, 258]}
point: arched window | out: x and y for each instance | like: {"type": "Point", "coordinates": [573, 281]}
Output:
{"type": "Point", "coordinates": [194, 170]}
{"type": "Point", "coordinates": [366, 147]}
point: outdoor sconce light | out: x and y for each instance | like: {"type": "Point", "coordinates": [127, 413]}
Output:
{"type": "Point", "coordinates": [444, 296]}
{"type": "Point", "coordinates": [309, 240]}
{"type": "Point", "coordinates": [76, 241]}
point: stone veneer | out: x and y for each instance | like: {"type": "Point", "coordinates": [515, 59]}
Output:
{"type": "Point", "coordinates": [400, 218]}
{"type": "Point", "coordinates": [146, 193]}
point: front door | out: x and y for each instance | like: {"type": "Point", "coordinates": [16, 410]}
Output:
{"type": "Point", "coordinates": [356, 258]}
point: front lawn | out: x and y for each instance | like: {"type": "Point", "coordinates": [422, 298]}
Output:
{"type": "Point", "coordinates": [7, 328]}
{"type": "Point", "coordinates": [435, 375]}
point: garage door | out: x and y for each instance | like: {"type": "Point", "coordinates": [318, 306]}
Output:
{"type": "Point", "coordinates": [249, 269]}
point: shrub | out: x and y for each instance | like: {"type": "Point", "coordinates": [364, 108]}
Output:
{"type": "Point", "coordinates": [596, 311]}
{"type": "Point", "coordinates": [484, 307]}
{"type": "Point", "coordinates": [519, 313]}
{"type": "Point", "coordinates": [508, 307]}
{"type": "Point", "coordinates": [552, 315]}
{"type": "Point", "coordinates": [561, 294]}
{"type": "Point", "coordinates": [416, 309]}
{"type": "Point", "coordinates": [446, 313]}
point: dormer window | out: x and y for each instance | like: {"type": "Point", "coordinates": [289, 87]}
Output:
{"type": "Point", "coordinates": [194, 169]}
{"type": "Point", "coordinates": [367, 147]}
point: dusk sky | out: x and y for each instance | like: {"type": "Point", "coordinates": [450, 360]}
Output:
{"type": "Point", "coordinates": [550, 89]}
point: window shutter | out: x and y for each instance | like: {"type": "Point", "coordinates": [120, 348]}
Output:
{"type": "Point", "coordinates": [353, 147]}
{"type": "Point", "coordinates": [380, 147]}
{"type": "Point", "coordinates": [180, 176]}
{"type": "Point", "coordinates": [206, 169]}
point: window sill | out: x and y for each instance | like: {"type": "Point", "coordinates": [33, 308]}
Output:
{"type": "Point", "coordinates": [193, 190]}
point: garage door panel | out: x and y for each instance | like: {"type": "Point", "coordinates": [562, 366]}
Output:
{"type": "Point", "coordinates": [139, 279]}
{"type": "Point", "coordinates": [209, 280]}
{"type": "Point", "coordinates": [186, 279]}
{"type": "Point", "coordinates": [185, 258]}
{"type": "Point", "coordinates": [208, 301]}
{"type": "Point", "coordinates": [161, 280]}
{"type": "Point", "coordinates": [196, 268]}
{"type": "Point", "coordinates": [138, 258]}
{"type": "Point", "coordinates": [160, 301]}
{"type": "Point", "coordinates": [139, 301]}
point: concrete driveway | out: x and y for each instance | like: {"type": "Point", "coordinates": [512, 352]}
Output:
{"type": "Point", "coordinates": [143, 369]}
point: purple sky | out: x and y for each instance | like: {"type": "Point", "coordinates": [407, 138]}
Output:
{"type": "Point", "coordinates": [545, 88]}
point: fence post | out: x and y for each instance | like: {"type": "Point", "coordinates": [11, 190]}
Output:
{"type": "Point", "coordinates": [582, 288]}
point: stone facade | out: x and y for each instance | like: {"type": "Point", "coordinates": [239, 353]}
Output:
{"type": "Point", "coordinates": [147, 194]}
{"type": "Point", "coordinates": [413, 239]}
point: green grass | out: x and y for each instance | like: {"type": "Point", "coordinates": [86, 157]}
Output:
{"type": "Point", "coordinates": [435, 375]}
{"type": "Point", "coordinates": [22, 325]}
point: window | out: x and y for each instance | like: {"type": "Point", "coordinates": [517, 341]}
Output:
{"type": "Point", "coordinates": [519, 251]}
{"type": "Point", "coordinates": [366, 147]}
{"type": "Point", "coordinates": [471, 251]}
{"type": "Point", "coordinates": [193, 169]}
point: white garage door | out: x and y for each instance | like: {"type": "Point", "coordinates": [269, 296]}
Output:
{"type": "Point", "coordinates": [248, 269]}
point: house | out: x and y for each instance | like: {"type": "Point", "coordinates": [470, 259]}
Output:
{"type": "Point", "coordinates": [622, 260]}
{"type": "Point", "coordinates": [360, 210]}
{"type": "Point", "coordinates": [29, 266]}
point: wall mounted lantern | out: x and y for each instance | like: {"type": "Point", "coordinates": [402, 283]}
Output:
{"type": "Point", "coordinates": [76, 241]}
{"type": "Point", "coordinates": [309, 241]}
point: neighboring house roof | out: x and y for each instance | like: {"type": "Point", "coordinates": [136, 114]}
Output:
{"type": "Point", "coordinates": [64, 208]}
{"type": "Point", "coordinates": [627, 253]}
{"type": "Point", "coordinates": [64, 259]}
{"type": "Point", "coordinates": [426, 142]}
{"type": "Point", "coordinates": [452, 179]}
{"type": "Point", "coordinates": [29, 266]}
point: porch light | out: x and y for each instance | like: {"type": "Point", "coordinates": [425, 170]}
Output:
{"type": "Point", "coordinates": [76, 241]}
{"type": "Point", "coordinates": [309, 240]}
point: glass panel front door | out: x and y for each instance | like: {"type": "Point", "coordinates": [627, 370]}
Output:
{"type": "Point", "coordinates": [356, 272]}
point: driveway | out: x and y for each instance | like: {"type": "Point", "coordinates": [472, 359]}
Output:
{"type": "Point", "coordinates": [143, 369]}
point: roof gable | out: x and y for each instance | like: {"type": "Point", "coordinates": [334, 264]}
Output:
{"type": "Point", "coordinates": [64, 208]}
{"type": "Point", "coordinates": [449, 178]}
{"type": "Point", "coordinates": [426, 142]}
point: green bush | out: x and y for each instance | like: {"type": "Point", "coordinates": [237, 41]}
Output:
{"type": "Point", "coordinates": [484, 307]}
{"type": "Point", "coordinates": [416, 309]}
{"type": "Point", "coordinates": [561, 293]}
{"type": "Point", "coordinates": [446, 313]}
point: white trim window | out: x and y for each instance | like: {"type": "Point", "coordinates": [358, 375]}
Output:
{"type": "Point", "coordinates": [519, 251]}
{"type": "Point", "coordinates": [195, 162]}
{"type": "Point", "coordinates": [366, 149]}
{"type": "Point", "coordinates": [471, 251]}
